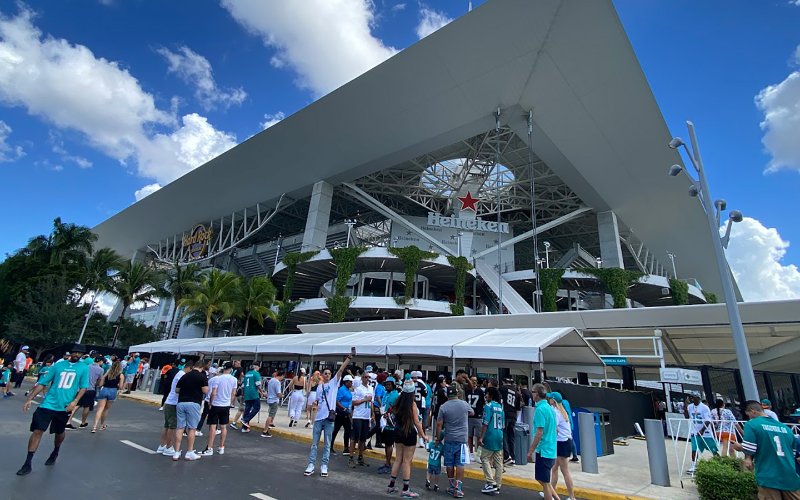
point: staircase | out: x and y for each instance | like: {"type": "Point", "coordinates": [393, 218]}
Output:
{"type": "Point", "coordinates": [512, 301]}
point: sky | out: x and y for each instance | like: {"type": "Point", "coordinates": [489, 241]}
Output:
{"type": "Point", "coordinates": [104, 101]}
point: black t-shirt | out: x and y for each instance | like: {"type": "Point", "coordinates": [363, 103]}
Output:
{"type": "Point", "coordinates": [511, 401]}
{"type": "Point", "coordinates": [475, 400]}
{"type": "Point", "coordinates": [527, 397]}
{"type": "Point", "coordinates": [168, 378]}
{"type": "Point", "coordinates": [420, 393]}
{"type": "Point", "coordinates": [440, 398]}
{"type": "Point", "coordinates": [191, 387]}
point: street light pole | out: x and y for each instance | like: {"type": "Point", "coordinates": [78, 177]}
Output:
{"type": "Point", "coordinates": [547, 254]}
{"type": "Point", "coordinates": [737, 331]}
{"type": "Point", "coordinates": [350, 223]}
{"type": "Point", "coordinates": [672, 258]}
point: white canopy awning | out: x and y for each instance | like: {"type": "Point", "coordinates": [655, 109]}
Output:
{"type": "Point", "coordinates": [561, 347]}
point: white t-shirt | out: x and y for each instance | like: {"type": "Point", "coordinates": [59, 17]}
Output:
{"type": "Point", "coordinates": [329, 390]}
{"type": "Point", "coordinates": [771, 414]}
{"type": "Point", "coordinates": [19, 362]}
{"type": "Point", "coordinates": [362, 411]}
{"type": "Point", "coordinates": [172, 399]}
{"type": "Point", "coordinates": [698, 415]}
{"type": "Point", "coordinates": [563, 430]}
{"type": "Point", "coordinates": [225, 385]}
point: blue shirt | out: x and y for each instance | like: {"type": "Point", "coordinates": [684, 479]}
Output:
{"type": "Point", "coordinates": [495, 422]}
{"type": "Point", "coordinates": [388, 401]}
{"type": "Point", "coordinates": [344, 397]}
{"type": "Point", "coordinates": [429, 395]}
{"type": "Point", "coordinates": [380, 392]}
{"type": "Point", "coordinates": [132, 367]}
{"type": "Point", "coordinates": [545, 419]}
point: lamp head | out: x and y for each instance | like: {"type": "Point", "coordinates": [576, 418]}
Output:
{"type": "Point", "coordinates": [547, 244]}
{"type": "Point", "coordinates": [675, 170]}
{"type": "Point", "coordinates": [693, 191]}
{"type": "Point", "coordinates": [736, 216]}
{"type": "Point", "coordinates": [721, 204]}
{"type": "Point", "coordinates": [676, 142]}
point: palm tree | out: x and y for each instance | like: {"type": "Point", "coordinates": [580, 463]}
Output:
{"type": "Point", "coordinates": [214, 300]}
{"type": "Point", "coordinates": [135, 282]}
{"type": "Point", "coordinates": [97, 276]}
{"type": "Point", "coordinates": [70, 242]}
{"type": "Point", "coordinates": [180, 283]}
{"type": "Point", "coordinates": [256, 298]}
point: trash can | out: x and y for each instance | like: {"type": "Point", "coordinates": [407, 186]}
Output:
{"type": "Point", "coordinates": [522, 441]}
{"type": "Point", "coordinates": [157, 385]}
{"type": "Point", "coordinates": [604, 438]}
{"type": "Point", "coordinates": [527, 415]}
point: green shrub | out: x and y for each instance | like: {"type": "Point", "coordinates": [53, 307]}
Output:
{"type": "Point", "coordinates": [549, 283]}
{"type": "Point", "coordinates": [461, 266]}
{"type": "Point", "coordinates": [679, 291]}
{"type": "Point", "coordinates": [723, 478]}
{"type": "Point", "coordinates": [711, 297]}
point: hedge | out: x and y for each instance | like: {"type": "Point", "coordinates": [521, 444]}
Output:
{"type": "Point", "coordinates": [723, 478]}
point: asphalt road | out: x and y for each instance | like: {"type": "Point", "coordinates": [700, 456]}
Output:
{"type": "Point", "coordinates": [101, 466]}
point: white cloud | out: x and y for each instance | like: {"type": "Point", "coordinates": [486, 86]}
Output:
{"type": "Point", "coordinates": [270, 120]}
{"type": "Point", "coordinates": [780, 104]}
{"type": "Point", "coordinates": [326, 42]}
{"type": "Point", "coordinates": [8, 153]}
{"type": "Point", "coordinates": [58, 148]}
{"type": "Point", "coordinates": [195, 70]}
{"type": "Point", "coordinates": [401, 6]}
{"type": "Point", "coordinates": [755, 254]}
{"type": "Point", "coordinates": [52, 78]}
{"type": "Point", "coordinates": [429, 21]}
{"type": "Point", "coordinates": [146, 191]}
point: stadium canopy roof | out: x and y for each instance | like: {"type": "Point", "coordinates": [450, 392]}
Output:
{"type": "Point", "coordinates": [596, 124]}
{"type": "Point", "coordinates": [557, 348]}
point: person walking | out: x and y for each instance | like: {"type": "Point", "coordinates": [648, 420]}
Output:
{"type": "Point", "coordinates": [454, 416]}
{"type": "Point", "coordinates": [323, 424]}
{"type": "Point", "coordinates": [19, 367]}
{"type": "Point", "coordinates": [191, 389]}
{"type": "Point", "coordinates": [297, 398]}
{"type": "Point", "coordinates": [420, 396]}
{"type": "Point", "coordinates": [388, 402]}
{"type": "Point", "coordinates": [568, 409]}
{"type": "Point", "coordinates": [726, 425]}
{"type": "Point", "coordinates": [512, 402]}
{"type": "Point", "coordinates": [131, 369]}
{"type": "Point", "coordinates": [67, 381]}
{"type": "Point", "coordinates": [767, 446]}
{"type": "Point", "coordinates": [274, 397]}
{"type": "Point", "coordinates": [362, 413]}
{"type": "Point", "coordinates": [166, 382]}
{"type": "Point", "coordinates": [252, 393]}
{"type": "Point", "coordinates": [475, 398]}
{"type": "Point", "coordinates": [311, 389]}
{"type": "Point", "coordinates": [408, 426]}
{"type": "Point", "coordinates": [491, 442]}
{"type": "Point", "coordinates": [701, 436]}
{"type": "Point", "coordinates": [108, 384]}
{"type": "Point", "coordinates": [167, 444]}
{"type": "Point", "coordinates": [87, 401]}
{"type": "Point", "coordinates": [223, 393]}
{"type": "Point", "coordinates": [543, 448]}
{"type": "Point", "coordinates": [563, 444]}
{"type": "Point", "coordinates": [377, 400]}
{"type": "Point", "coordinates": [344, 401]}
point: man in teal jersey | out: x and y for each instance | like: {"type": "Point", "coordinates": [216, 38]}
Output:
{"type": "Point", "coordinates": [770, 444]}
{"type": "Point", "coordinates": [130, 371]}
{"type": "Point", "coordinates": [67, 382]}
{"type": "Point", "coordinates": [544, 441]}
{"type": "Point", "coordinates": [491, 441]}
{"type": "Point", "coordinates": [387, 433]}
{"type": "Point", "coordinates": [251, 390]}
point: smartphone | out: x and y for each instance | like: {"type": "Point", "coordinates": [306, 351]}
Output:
{"type": "Point", "coordinates": [353, 351]}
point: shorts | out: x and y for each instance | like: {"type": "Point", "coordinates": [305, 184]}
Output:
{"type": "Point", "coordinates": [360, 429]}
{"type": "Point", "coordinates": [44, 418]}
{"type": "Point", "coordinates": [188, 415]}
{"type": "Point", "coordinates": [129, 378]}
{"type": "Point", "coordinates": [772, 494]}
{"type": "Point", "coordinates": [409, 439]}
{"type": "Point", "coordinates": [312, 398]}
{"type": "Point", "coordinates": [452, 453]}
{"type": "Point", "coordinates": [564, 448]}
{"type": "Point", "coordinates": [543, 466]}
{"type": "Point", "coordinates": [219, 415]}
{"type": "Point", "coordinates": [109, 393]}
{"type": "Point", "coordinates": [170, 416]}
{"type": "Point", "coordinates": [434, 470]}
{"type": "Point", "coordinates": [87, 400]}
{"type": "Point", "coordinates": [474, 427]}
{"type": "Point", "coordinates": [388, 436]}
{"type": "Point", "coordinates": [700, 443]}
{"type": "Point", "coordinates": [2, 384]}
{"type": "Point", "coordinates": [273, 409]}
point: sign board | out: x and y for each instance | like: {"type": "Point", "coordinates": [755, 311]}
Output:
{"type": "Point", "coordinates": [614, 360]}
{"type": "Point", "coordinates": [197, 242]}
{"type": "Point", "coordinates": [681, 376]}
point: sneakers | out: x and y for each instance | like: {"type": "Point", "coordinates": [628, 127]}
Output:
{"type": "Point", "coordinates": [352, 462]}
{"type": "Point", "coordinates": [421, 443]}
{"type": "Point", "coordinates": [323, 470]}
{"type": "Point", "coordinates": [221, 450]}
{"type": "Point", "coordinates": [291, 423]}
{"type": "Point", "coordinates": [234, 426]}
{"type": "Point", "coordinates": [472, 457]}
{"type": "Point", "coordinates": [308, 423]}
{"type": "Point", "coordinates": [51, 459]}
{"type": "Point", "coordinates": [198, 433]}
{"type": "Point", "coordinates": [309, 470]}
{"type": "Point", "coordinates": [70, 427]}
{"type": "Point", "coordinates": [176, 456]}
{"type": "Point", "coordinates": [574, 459]}
{"type": "Point", "coordinates": [384, 469]}
{"type": "Point", "coordinates": [83, 425]}
{"type": "Point", "coordinates": [266, 434]}
{"type": "Point", "coordinates": [346, 452]}
{"type": "Point", "coordinates": [362, 463]}
{"type": "Point", "coordinates": [161, 448]}
{"type": "Point", "coordinates": [24, 470]}
{"type": "Point", "coordinates": [391, 489]}
{"type": "Point", "coordinates": [160, 408]}
{"type": "Point", "coordinates": [489, 488]}
{"type": "Point", "coordinates": [509, 461]}
{"type": "Point", "coordinates": [245, 427]}
{"type": "Point", "coordinates": [428, 485]}
{"type": "Point", "coordinates": [409, 494]}
{"type": "Point", "coordinates": [191, 455]}
{"type": "Point", "coordinates": [217, 432]}
{"type": "Point", "coordinates": [208, 452]}
{"type": "Point", "coordinates": [458, 494]}
{"type": "Point", "coordinates": [168, 452]}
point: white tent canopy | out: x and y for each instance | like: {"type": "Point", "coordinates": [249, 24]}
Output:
{"type": "Point", "coordinates": [558, 348]}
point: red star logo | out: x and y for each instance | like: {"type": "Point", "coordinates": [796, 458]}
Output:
{"type": "Point", "coordinates": [468, 202]}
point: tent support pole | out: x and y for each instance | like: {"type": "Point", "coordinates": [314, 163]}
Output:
{"type": "Point", "coordinates": [454, 367]}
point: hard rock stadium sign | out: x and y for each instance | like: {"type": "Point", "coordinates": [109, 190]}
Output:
{"type": "Point", "coordinates": [196, 243]}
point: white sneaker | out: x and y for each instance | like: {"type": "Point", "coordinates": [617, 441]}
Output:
{"type": "Point", "coordinates": [208, 452]}
{"type": "Point", "coordinates": [160, 408]}
{"type": "Point", "coordinates": [218, 432]}
{"type": "Point", "coordinates": [472, 457]}
{"type": "Point", "coordinates": [168, 452]}
{"type": "Point", "coordinates": [221, 451]}
{"type": "Point", "coordinates": [176, 456]}
{"type": "Point", "coordinates": [323, 470]}
{"type": "Point", "coordinates": [161, 448]}
{"type": "Point", "coordinates": [309, 470]}
{"type": "Point", "coordinates": [191, 455]}
{"type": "Point", "coordinates": [541, 494]}
{"type": "Point", "coordinates": [198, 433]}
{"type": "Point", "coordinates": [421, 443]}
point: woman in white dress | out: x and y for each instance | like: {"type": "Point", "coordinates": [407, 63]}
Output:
{"type": "Point", "coordinates": [297, 397]}
{"type": "Point", "coordinates": [311, 397]}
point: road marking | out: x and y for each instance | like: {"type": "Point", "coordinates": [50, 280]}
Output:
{"type": "Point", "coordinates": [137, 446]}
{"type": "Point", "coordinates": [262, 496]}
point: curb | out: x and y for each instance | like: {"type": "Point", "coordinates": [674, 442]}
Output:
{"type": "Point", "coordinates": [518, 482]}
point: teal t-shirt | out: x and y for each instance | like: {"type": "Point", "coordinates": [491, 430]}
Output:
{"type": "Point", "coordinates": [65, 380]}
{"type": "Point", "coordinates": [250, 385]}
{"type": "Point", "coordinates": [545, 418]}
{"type": "Point", "coordinates": [771, 444]}
{"type": "Point", "coordinates": [435, 453]}
{"type": "Point", "coordinates": [43, 370]}
{"type": "Point", "coordinates": [6, 376]}
{"type": "Point", "coordinates": [495, 421]}
{"type": "Point", "coordinates": [133, 366]}
{"type": "Point", "coordinates": [388, 401]}
{"type": "Point", "coordinates": [88, 361]}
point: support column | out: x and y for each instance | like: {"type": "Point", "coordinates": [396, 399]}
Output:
{"type": "Point", "coordinates": [610, 247]}
{"type": "Point", "coordinates": [319, 212]}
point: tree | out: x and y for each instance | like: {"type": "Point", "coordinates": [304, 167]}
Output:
{"type": "Point", "coordinates": [135, 282]}
{"type": "Point", "coordinates": [256, 298]}
{"type": "Point", "coordinates": [214, 300]}
{"type": "Point", "coordinates": [181, 282]}
{"type": "Point", "coordinates": [97, 271]}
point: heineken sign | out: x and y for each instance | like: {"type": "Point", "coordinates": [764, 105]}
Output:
{"type": "Point", "coordinates": [477, 224]}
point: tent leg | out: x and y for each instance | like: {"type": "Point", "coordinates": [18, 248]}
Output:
{"type": "Point", "coordinates": [454, 368]}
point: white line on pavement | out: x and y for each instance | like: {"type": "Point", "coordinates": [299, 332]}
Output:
{"type": "Point", "coordinates": [137, 446]}
{"type": "Point", "coordinates": [262, 496]}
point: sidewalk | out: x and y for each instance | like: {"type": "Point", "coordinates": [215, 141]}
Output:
{"type": "Point", "coordinates": [623, 475]}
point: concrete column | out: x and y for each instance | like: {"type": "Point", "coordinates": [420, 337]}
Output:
{"type": "Point", "coordinates": [610, 247]}
{"type": "Point", "coordinates": [319, 213]}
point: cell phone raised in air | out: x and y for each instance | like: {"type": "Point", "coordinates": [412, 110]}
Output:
{"type": "Point", "coordinates": [353, 351]}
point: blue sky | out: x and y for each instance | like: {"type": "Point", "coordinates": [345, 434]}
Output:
{"type": "Point", "coordinates": [97, 97]}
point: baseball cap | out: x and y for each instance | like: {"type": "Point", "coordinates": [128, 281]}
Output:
{"type": "Point", "coordinates": [556, 396]}
{"type": "Point", "coordinates": [347, 378]}
{"type": "Point", "coordinates": [416, 374]}
{"type": "Point", "coordinates": [214, 364]}
{"type": "Point", "coordinates": [227, 365]}
{"type": "Point", "coordinates": [766, 402]}
{"type": "Point", "coordinates": [303, 371]}
{"type": "Point", "coordinates": [24, 348]}
{"type": "Point", "coordinates": [390, 380]}
{"type": "Point", "coordinates": [452, 391]}
{"type": "Point", "coordinates": [368, 368]}
{"type": "Point", "coordinates": [441, 377]}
